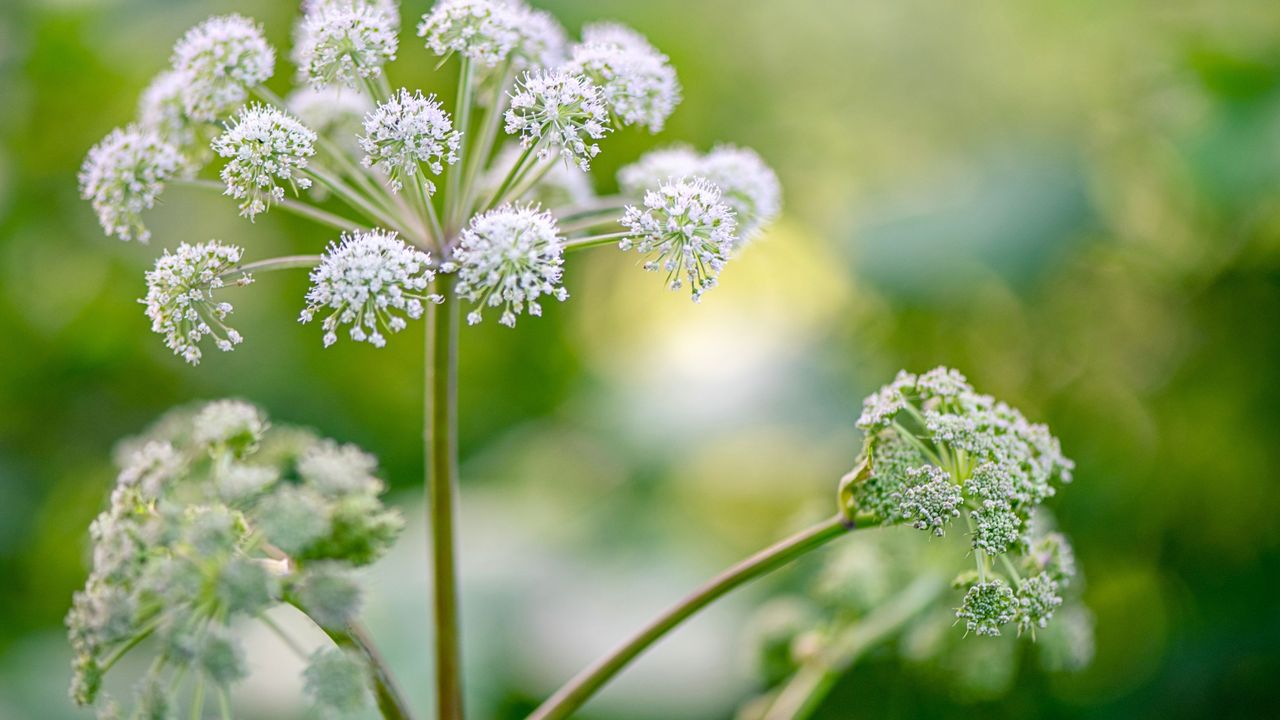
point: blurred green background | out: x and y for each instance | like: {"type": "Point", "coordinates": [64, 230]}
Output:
{"type": "Point", "coordinates": [1075, 202]}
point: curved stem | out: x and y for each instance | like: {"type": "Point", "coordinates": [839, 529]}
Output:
{"type": "Point", "coordinates": [390, 702]}
{"type": "Point", "coordinates": [287, 262]}
{"type": "Point", "coordinates": [804, 693]}
{"type": "Point", "coordinates": [441, 444]}
{"type": "Point", "coordinates": [578, 690]}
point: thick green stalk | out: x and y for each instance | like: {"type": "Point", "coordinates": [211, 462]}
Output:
{"type": "Point", "coordinates": [578, 690]}
{"type": "Point", "coordinates": [441, 444]}
{"type": "Point", "coordinates": [804, 693]}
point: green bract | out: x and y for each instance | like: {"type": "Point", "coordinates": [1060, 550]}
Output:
{"type": "Point", "coordinates": [216, 517]}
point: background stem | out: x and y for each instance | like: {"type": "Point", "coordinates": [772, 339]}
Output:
{"type": "Point", "coordinates": [570, 697]}
{"type": "Point", "coordinates": [441, 446]}
{"type": "Point", "coordinates": [390, 702]}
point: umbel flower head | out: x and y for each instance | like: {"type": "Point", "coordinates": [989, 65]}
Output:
{"type": "Point", "coordinates": [371, 281]}
{"type": "Point", "coordinates": [264, 146]}
{"type": "Point", "coordinates": [484, 31]}
{"type": "Point", "coordinates": [161, 111]}
{"type": "Point", "coordinates": [193, 543]}
{"type": "Point", "coordinates": [509, 258]}
{"type": "Point", "coordinates": [686, 230]}
{"type": "Point", "coordinates": [221, 59]}
{"type": "Point", "coordinates": [123, 175]}
{"type": "Point", "coordinates": [558, 112]}
{"type": "Point", "coordinates": [749, 186]}
{"type": "Point", "coordinates": [333, 112]}
{"type": "Point", "coordinates": [407, 132]}
{"type": "Point", "coordinates": [937, 450]}
{"type": "Point", "coordinates": [345, 43]}
{"type": "Point", "coordinates": [639, 84]}
{"type": "Point", "coordinates": [180, 297]}
{"type": "Point", "coordinates": [541, 39]}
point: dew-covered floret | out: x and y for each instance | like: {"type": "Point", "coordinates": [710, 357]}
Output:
{"type": "Point", "coordinates": [264, 147]}
{"type": "Point", "coordinates": [179, 559]}
{"type": "Point", "coordinates": [638, 83]}
{"type": "Point", "coordinates": [987, 607]}
{"type": "Point", "coordinates": [345, 43]}
{"type": "Point", "coordinates": [686, 230]}
{"type": "Point", "coordinates": [484, 31]}
{"type": "Point", "coordinates": [180, 297]}
{"type": "Point", "coordinates": [124, 175]}
{"type": "Point", "coordinates": [749, 186]}
{"type": "Point", "coordinates": [371, 281]}
{"type": "Point", "coordinates": [509, 258]}
{"type": "Point", "coordinates": [558, 113]}
{"type": "Point", "coordinates": [407, 133]}
{"type": "Point", "coordinates": [221, 59]}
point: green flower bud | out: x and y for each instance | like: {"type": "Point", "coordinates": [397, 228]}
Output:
{"type": "Point", "coordinates": [987, 606]}
{"type": "Point", "coordinates": [337, 682]}
{"type": "Point", "coordinates": [328, 594]}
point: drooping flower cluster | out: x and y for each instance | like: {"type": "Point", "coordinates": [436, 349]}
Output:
{"type": "Point", "coordinates": [686, 230]}
{"type": "Point", "coordinates": [123, 175]}
{"type": "Point", "coordinates": [161, 110]}
{"type": "Point", "coordinates": [407, 132]}
{"type": "Point", "coordinates": [748, 185]}
{"type": "Point", "coordinates": [180, 297]}
{"type": "Point", "coordinates": [558, 113]}
{"type": "Point", "coordinates": [508, 258]}
{"type": "Point", "coordinates": [638, 82]}
{"type": "Point", "coordinates": [937, 450]}
{"type": "Point", "coordinates": [265, 146]}
{"type": "Point", "coordinates": [371, 281]}
{"type": "Point", "coordinates": [484, 31]}
{"type": "Point", "coordinates": [221, 60]}
{"type": "Point", "coordinates": [345, 42]}
{"type": "Point", "coordinates": [193, 543]}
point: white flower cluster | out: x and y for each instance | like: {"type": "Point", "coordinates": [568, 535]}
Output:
{"type": "Point", "coordinates": [558, 112]}
{"type": "Point", "coordinates": [123, 175]}
{"type": "Point", "coordinates": [407, 132]}
{"type": "Point", "coordinates": [687, 231]}
{"type": "Point", "coordinates": [937, 450]}
{"type": "Point", "coordinates": [221, 59]}
{"type": "Point", "coordinates": [371, 281]}
{"type": "Point", "coordinates": [639, 84]}
{"type": "Point", "coordinates": [180, 299]}
{"type": "Point", "coordinates": [188, 549]}
{"type": "Point", "coordinates": [541, 39]}
{"type": "Point", "coordinates": [161, 109]}
{"type": "Point", "coordinates": [345, 43]}
{"type": "Point", "coordinates": [508, 258]}
{"type": "Point", "coordinates": [335, 113]}
{"type": "Point", "coordinates": [749, 185]}
{"type": "Point", "coordinates": [484, 31]}
{"type": "Point", "coordinates": [263, 147]}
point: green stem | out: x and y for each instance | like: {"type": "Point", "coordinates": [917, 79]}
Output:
{"type": "Point", "coordinates": [578, 690]}
{"type": "Point", "coordinates": [287, 262]}
{"type": "Point", "coordinates": [453, 183]}
{"type": "Point", "coordinates": [803, 694]}
{"type": "Point", "coordinates": [441, 445]}
{"type": "Point", "coordinates": [390, 701]}
{"type": "Point", "coordinates": [357, 201]}
{"type": "Point", "coordinates": [595, 241]}
{"type": "Point", "coordinates": [489, 124]}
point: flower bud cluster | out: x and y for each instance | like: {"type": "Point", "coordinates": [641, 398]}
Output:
{"type": "Point", "coordinates": [191, 544]}
{"type": "Point", "coordinates": [936, 451]}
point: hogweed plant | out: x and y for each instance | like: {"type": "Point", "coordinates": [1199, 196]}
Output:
{"type": "Point", "coordinates": [219, 516]}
